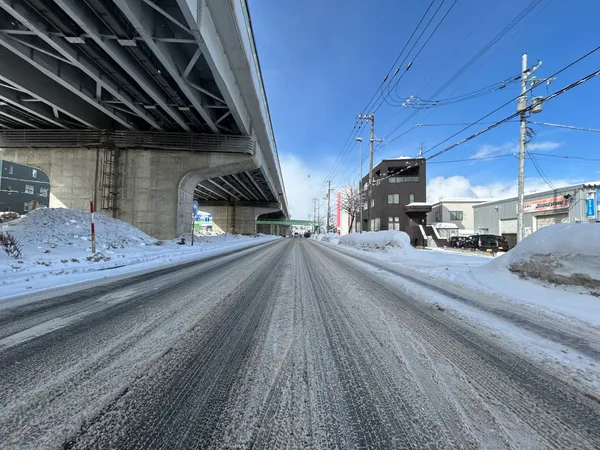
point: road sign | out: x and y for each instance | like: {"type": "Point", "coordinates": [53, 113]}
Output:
{"type": "Point", "coordinates": [195, 208]}
{"type": "Point", "coordinates": [208, 218]}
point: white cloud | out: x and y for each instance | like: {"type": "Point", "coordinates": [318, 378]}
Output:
{"type": "Point", "coordinates": [461, 187]}
{"type": "Point", "coordinates": [302, 184]}
{"type": "Point", "coordinates": [512, 147]}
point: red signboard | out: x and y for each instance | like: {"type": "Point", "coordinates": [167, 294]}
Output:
{"type": "Point", "coordinates": [547, 204]}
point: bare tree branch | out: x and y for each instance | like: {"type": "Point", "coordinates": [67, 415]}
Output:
{"type": "Point", "coordinates": [351, 200]}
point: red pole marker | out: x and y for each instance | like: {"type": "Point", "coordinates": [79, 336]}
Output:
{"type": "Point", "coordinates": [93, 230]}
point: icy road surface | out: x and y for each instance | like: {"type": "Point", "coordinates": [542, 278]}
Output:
{"type": "Point", "coordinates": [290, 344]}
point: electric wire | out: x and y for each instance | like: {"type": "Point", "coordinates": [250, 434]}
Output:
{"type": "Point", "coordinates": [528, 9]}
{"type": "Point", "coordinates": [354, 132]}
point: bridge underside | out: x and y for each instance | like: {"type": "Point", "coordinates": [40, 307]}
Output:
{"type": "Point", "coordinates": [134, 178]}
{"type": "Point", "coordinates": [117, 78]}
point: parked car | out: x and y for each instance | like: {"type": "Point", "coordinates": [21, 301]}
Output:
{"type": "Point", "coordinates": [483, 242]}
{"type": "Point", "coordinates": [502, 244]}
{"type": "Point", "coordinates": [307, 234]}
{"type": "Point", "coordinates": [457, 241]}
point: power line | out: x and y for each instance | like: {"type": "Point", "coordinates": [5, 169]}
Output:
{"type": "Point", "coordinates": [577, 158]}
{"type": "Point", "coordinates": [506, 155]}
{"type": "Point", "coordinates": [512, 100]}
{"type": "Point", "coordinates": [569, 127]}
{"type": "Point", "coordinates": [354, 132]}
{"type": "Point", "coordinates": [512, 116]}
{"type": "Point", "coordinates": [418, 53]}
{"type": "Point", "coordinates": [474, 59]}
{"type": "Point", "coordinates": [497, 124]}
{"type": "Point", "coordinates": [538, 168]}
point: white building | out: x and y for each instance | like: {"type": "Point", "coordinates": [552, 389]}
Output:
{"type": "Point", "coordinates": [453, 216]}
{"type": "Point", "coordinates": [571, 204]}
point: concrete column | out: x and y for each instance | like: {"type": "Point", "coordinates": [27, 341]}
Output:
{"type": "Point", "coordinates": [235, 219]}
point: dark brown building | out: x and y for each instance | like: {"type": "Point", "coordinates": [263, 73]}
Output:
{"type": "Point", "coordinates": [398, 197]}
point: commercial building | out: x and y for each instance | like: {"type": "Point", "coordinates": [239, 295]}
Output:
{"type": "Point", "coordinates": [22, 188]}
{"type": "Point", "coordinates": [453, 216]}
{"type": "Point", "coordinates": [571, 204]}
{"type": "Point", "coordinates": [398, 200]}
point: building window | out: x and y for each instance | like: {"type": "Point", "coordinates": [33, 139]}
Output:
{"type": "Point", "coordinates": [393, 199]}
{"type": "Point", "coordinates": [33, 173]}
{"type": "Point", "coordinates": [438, 216]}
{"type": "Point", "coordinates": [29, 189]}
{"type": "Point", "coordinates": [43, 192]}
{"type": "Point", "coordinates": [372, 202]}
{"type": "Point", "coordinates": [411, 198]}
{"type": "Point", "coordinates": [365, 205]}
{"type": "Point", "coordinates": [377, 225]}
{"type": "Point", "coordinates": [394, 223]}
{"type": "Point", "coordinates": [456, 215]}
{"type": "Point", "coordinates": [10, 170]}
{"type": "Point", "coordinates": [403, 179]}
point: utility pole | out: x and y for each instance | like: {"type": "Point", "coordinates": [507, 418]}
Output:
{"type": "Point", "coordinates": [328, 205]}
{"type": "Point", "coordinates": [421, 150]}
{"type": "Point", "coordinates": [370, 118]}
{"type": "Point", "coordinates": [523, 135]}
{"type": "Point", "coordinates": [360, 183]}
{"type": "Point", "coordinates": [314, 215]}
{"type": "Point", "coordinates": [522, 102]}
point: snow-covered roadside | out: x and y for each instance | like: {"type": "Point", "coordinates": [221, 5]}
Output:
{"type": "Point", "coordinates": [56, 250]}
{"type": "Point", "coordinates": [487, 276]}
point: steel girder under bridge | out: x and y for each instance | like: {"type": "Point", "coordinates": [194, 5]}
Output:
{"type": "Point", "coordinates": [139, 68]}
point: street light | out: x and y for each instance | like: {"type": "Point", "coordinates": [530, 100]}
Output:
{"type": "Point", "coordinates": [359, 140]}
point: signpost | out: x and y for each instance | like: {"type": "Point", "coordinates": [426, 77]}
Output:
{"type": "Point", "coordinates": [194, 213]}
{"type": "Point", "coordinates": [591, 205]}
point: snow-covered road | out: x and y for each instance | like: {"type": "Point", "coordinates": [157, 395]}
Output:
{"type": "Point", "coordinates": [292, 344]}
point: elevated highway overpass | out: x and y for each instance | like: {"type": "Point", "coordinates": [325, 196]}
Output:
{"type": "Point", "coordinates": [143, 106]}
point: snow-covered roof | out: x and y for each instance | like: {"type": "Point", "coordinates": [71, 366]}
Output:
{"type": "Point", "coordinates": [419, 204]}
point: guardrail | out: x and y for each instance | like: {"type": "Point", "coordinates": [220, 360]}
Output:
{"type": "Point", "coordinates": [193, 142]}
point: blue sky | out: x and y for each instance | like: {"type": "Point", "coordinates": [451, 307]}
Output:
{"type": "Point", "coordinates": [323, 60]}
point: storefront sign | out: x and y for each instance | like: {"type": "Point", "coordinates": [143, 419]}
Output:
{"type": "Point", "coordinates": [547, 204]}
{"type": "Point", "coordinates": [591, 203]}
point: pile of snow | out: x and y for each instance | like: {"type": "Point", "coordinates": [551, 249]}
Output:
{"type": "Point", "coordinates": [60, 226]}
{"type": "Point", "coordinates": [566, 254]}
{"type": "Point", "coordinates": [56, 249]}
{"type": "Point", "coordinates": [332, 238]}
{"type": "Point", "coordinates": [379, 240]}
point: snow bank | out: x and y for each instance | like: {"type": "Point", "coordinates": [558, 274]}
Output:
{"type": "Point", "coordinates": [56, 249]}
{"type": "Point", "coordinates": [61, 226]}
{"type": "Point", "coordinates": [332, 238]}
{"type": "Point", "coordinates": [378, 240]}
{"type": "Point", "coordinates": [566, 254]}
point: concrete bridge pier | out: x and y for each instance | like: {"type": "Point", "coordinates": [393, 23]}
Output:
{"type": "Point", "coordinates": [154, 188]}
{"type": "Point", "coordinates": [237, 219]}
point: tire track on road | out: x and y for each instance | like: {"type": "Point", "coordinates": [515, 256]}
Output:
{"type": "Point", "coordinates": [178, 403]}
{"type": "Point", "coordinates": [560, 415]}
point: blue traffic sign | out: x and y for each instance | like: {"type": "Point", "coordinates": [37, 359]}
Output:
{"type": "Point", "coordinates": [195, 207]}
